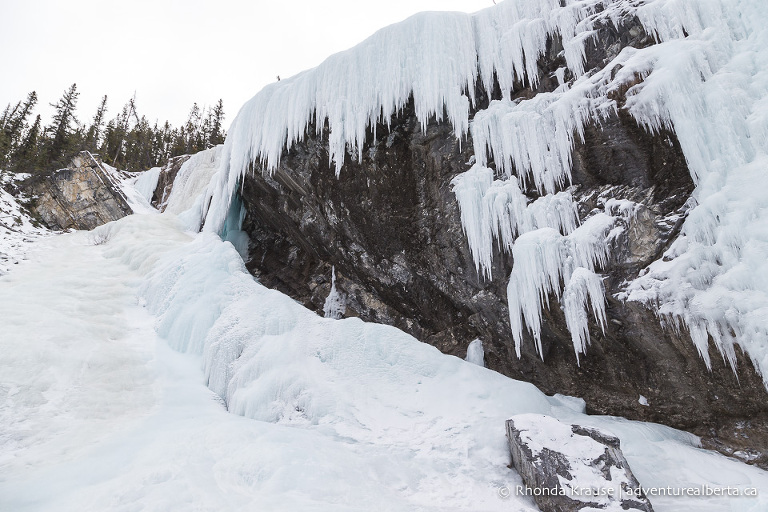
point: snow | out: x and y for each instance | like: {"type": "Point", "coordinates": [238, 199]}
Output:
{"type": "Point", "coordinates": [146, 183]}
{"type": "Point", "coordinates": [17, 229]}
{"type": "Point", "coordinates": [190, 192]}
{"type": "Point", "coordinates": [105, 406]}
{"type": "Point", "coordinates": [150, 371]}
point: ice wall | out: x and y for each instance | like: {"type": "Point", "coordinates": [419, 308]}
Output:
{"type": "Point", "coordinates": [706, 79]}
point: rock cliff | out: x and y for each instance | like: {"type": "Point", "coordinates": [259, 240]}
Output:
{"type": "Point", "coordinates": [82, 196]}
{"type": "Point", "coordinates": [391, 226]}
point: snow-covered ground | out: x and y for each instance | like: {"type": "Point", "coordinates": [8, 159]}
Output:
{"type": "Point", "coordinates": [142, 368]}
{"type": "Point", "coordinates": [16, 227]}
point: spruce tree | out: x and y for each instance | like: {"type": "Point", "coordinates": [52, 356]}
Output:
{"type": "Point", "coordinates": [217, 119]}
{"type": "Point", "coordinates": [93, 135]}
{"type": "Point", "coordinates": [27, 156]}
{"type": "Point", "coordinates": [61, 129]}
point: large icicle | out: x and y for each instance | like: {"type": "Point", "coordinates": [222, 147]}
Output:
{"type": "Point", "coordinates": [706, 79]}
{"type": "Point", "coordinates": [499, 210]}
{"type": "Point", "coordinates": [434, 58]}
{"type": "Point", "coordinates": [544, 262]}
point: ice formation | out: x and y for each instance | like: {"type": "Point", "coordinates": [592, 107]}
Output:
{"type": "Point", "coordinates": [146, 182]}
{"type": "Point", "coordinates": [475, 353]}
{"type": "Point", "coordinates": [706, 79]}
{"type": "Point", "coordinates": [336, 303]}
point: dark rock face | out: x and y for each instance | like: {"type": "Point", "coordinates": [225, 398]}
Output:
{"type": "Point", "coordinates": [391, 226]}
{"type": "Point", "coordinates": [569, 467]}
{"type": "Point", "coordinates": [165, 181]}
{"type": "Point", "coordinates": [82, 196]}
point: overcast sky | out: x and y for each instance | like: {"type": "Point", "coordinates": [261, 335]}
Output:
{"type": "Point", "coordinates": [174, 52]}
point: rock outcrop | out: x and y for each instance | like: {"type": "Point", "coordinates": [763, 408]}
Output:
{"type": "Point", "coordinates": [391, 226]}
{"type": "Point", "coordinates": [82, 196]}
{"type": "Point", "coordinates": [165, 180]}
{"type": "Point", "coordinates": [567, 468]}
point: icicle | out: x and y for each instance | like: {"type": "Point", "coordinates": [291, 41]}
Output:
{"type": "Point", "coordinates": [583, 284]}
{"type": "Point", "coordinates": [336, 302]}
{"type": "Point", "coordinates": [475, 353]}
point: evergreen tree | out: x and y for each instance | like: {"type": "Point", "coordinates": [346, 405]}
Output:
{"type": "Point", "coordinates": [61, 129]}
{"type": "Point", "coordinates": [129, 140]}
{"type": "Point", "coordinates": [17, 122]}
{"type": "Point", "coordinates": [27, 157]}
{"type": "Point", "coordinates": [217, 119]}
{"type": "Point", "coordinates": [194, 142]}
{"type": "Point", "coordinates": [14, 122]}
{"type": "Point", "coordinates": [93, 135]}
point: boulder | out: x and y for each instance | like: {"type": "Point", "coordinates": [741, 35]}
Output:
{"type": "Point", "coordinates": [82, 196]}
{"type": "Point", "coordinates": [566, 468]}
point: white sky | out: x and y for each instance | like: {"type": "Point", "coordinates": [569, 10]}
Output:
{"type": "Point", "coordinates": [176, 52]}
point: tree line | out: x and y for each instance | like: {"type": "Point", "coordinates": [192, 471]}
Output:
{"type": "Point", "coordinates": [127, 141]}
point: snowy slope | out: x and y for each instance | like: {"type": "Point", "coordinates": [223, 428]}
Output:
{"type": "Point", "coordinates": [16, 227]}
{"type": "Point", "coordinates": [105, 405]}
{"type": "Point", "coordinates": [705, 80]}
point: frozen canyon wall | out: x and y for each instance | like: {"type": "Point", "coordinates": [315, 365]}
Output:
{"type": "Point", "coordinates": [540, 175]}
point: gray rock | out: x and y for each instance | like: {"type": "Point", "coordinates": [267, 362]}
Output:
{"type": "Point", "coordinates": [82, 196]}
{"type": "Point", "coordinates": [566, 468]}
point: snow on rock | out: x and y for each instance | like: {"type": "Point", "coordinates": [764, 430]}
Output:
{"type": "Point", "coordinates": [191, 190]}
{"type": "Point", "coordinates": [146, 183]}
{"type": "Point", "coordinates": [17, 229]}
{"type": "Point", "coordinates": [712, 89]}
{"type": "Point", "coordinates": [569, 467]}
{"type": "Point", "coordinates": [705, 79]}
{"type": "Point", "coordinates": [435, 58]}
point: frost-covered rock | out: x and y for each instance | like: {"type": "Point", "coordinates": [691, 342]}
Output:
{"type": "Point", "coordinates": [566, 468]}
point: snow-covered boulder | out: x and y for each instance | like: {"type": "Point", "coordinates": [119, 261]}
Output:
{"type": "Point", "coordinates": [567, 468]}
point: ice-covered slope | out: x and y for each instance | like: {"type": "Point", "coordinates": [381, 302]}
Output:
{"type": "Point", "coordinates": [98, 412]}
{"type": "Point", "coordinates": [705, 80]}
